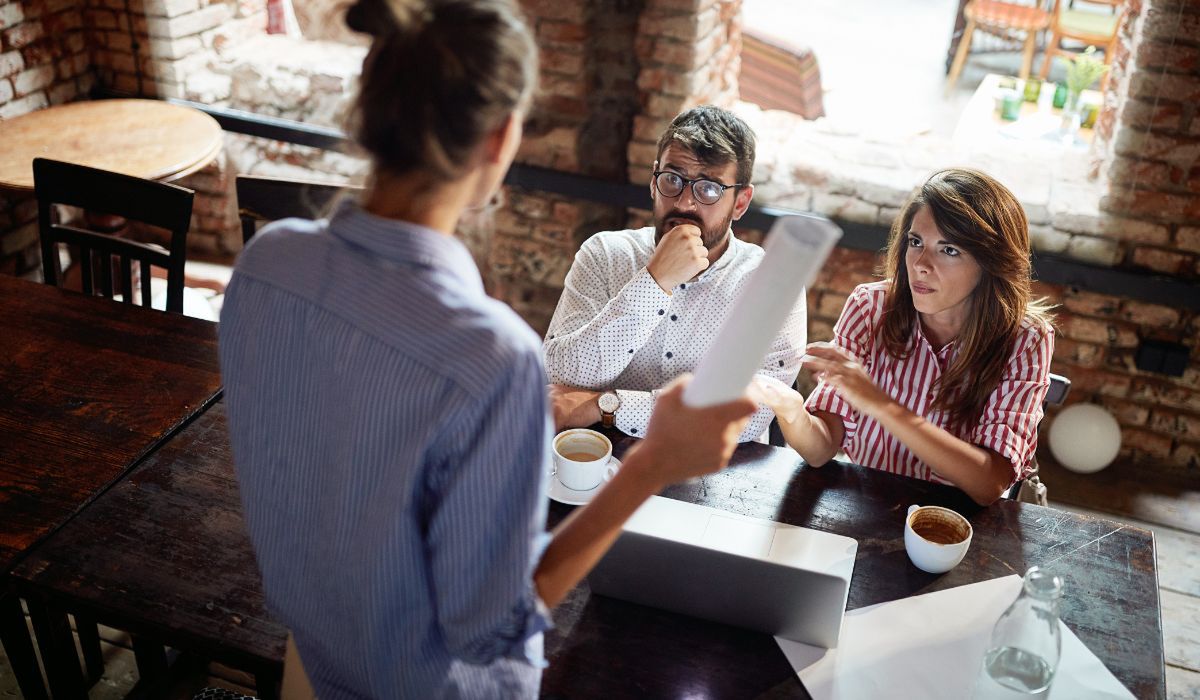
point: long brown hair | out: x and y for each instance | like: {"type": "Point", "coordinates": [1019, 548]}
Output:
{"type": "Point", "coordinates": [440, 75]}
{"type": "Point", "coordinates": [979, 215]}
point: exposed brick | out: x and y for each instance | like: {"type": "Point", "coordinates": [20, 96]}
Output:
{"type": "Point", "coordinates": [6, 90]}
{"type": "Point", "coordinates": [1090, 330]}
{"type": "Point", "coordinates": [1095, 250]}
{"type": "Point", "coordinates": [566, 32]}
{"type": "Point", "coordinates": [1171, 56]}
{"type": "Point", "coordinates": [1090, 303]}
{"type": "Point", "coordinates": [555, 9]}
{"type": "Point", "coordinates": [1162, 260]}
{"type": "Point", "coordinates": [18, 239]}
{"type": "Point", "coordinates": [1188, 238]}
{"type": "Point", "coordinates": [1186, 455]}
{"type": "Point", "coordinates": [1159, 206]}
{"type": "Point", "coordinates": [63, 92]}
{"type": "Point", "coordinates": [11, 63]}
{"type": "Point", "coordinates": [1150, 174]}
{"type": "Point", "coordinates": [22, 35]}
{"type": "Point", "coordinates": [1091, 382]}
{"type": "Point", "coordinates": [23, 105]}
{"type": "Point", "coordinates": [1157, 391]}
{"type": "Point", "coordinates": [1176, 424]}
{"type": "Point", "coordinates": [170, 8]}
{"type": "Point", "coordinates": [33, 80]}
{"type": "Point", "coordinates": [1150, 444]}
{"type": "Point", "coordinates": [1166, 23]}
{"type": "Point", "coordinates": [1126, 412]}
{"type": "Point", "coordinates": [11, 14]}
{"type": "Point", "coordinates": [1152, 315]}
{"type": "Point", "coordinates": [1181, 150]}
{"type": "Point", "coordinates": [562, 61]}
{"type": "Point", "coordinates": [1088, 355]}
{"type": "Point", "coordinates": [102, 19]}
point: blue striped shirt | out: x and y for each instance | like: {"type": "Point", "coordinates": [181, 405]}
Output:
{"type": "Point", "coordinates": [390, 429]}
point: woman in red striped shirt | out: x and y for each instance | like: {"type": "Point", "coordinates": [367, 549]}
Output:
{"type": "Point", "coordinates": [938, 372]}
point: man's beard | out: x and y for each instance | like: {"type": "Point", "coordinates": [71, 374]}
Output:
{"type": "Point", "coordinates": [711, 237]}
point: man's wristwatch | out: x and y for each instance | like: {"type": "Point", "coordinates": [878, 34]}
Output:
{"type": "Point", "coordinates": [609, 403]}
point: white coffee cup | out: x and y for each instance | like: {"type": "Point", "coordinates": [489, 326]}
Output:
{"type": "Point", "coordinates": [581, 458]}
{"type": "Point", "coordinates": [936, 538]}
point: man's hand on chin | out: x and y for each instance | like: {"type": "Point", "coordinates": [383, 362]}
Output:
{"type": "Point", "coordinates": [574, 407]}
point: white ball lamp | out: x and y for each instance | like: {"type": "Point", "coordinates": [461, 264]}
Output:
{"type": "Point", "coordinates": [1085, 438]}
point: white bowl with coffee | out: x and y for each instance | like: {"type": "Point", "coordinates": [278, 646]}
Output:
{"type": "Point", "coordinates": [936, 538]}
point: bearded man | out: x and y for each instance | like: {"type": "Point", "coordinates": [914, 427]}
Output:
{"type": "Point", "coordinates": [640, 307]}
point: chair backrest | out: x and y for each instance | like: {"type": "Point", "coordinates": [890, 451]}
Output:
{"type": "Point", "coordinates": [100, 191]}
{"type": "Point", "coordinates": [270, 198]}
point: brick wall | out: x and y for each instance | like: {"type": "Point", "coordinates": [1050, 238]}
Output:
{"type": "Point", "coordinates": [43, 61]}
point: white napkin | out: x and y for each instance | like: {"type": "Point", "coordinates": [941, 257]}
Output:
{"type": "Point", "coordinates": [796, 248]}
{"type": "Point", "coordinates": [932, 646]}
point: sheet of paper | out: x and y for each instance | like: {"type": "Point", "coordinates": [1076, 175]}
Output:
{"type": "Point", "coordinates": [796, 248]}
{"type": "Point", "coordinates": [932, 646]}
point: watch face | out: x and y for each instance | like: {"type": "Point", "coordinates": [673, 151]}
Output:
{"type": "Point", "coordinates": [609, 403]}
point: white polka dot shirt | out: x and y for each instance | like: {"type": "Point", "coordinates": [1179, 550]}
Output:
{"type": "Point", "coordinates": [615, 328]}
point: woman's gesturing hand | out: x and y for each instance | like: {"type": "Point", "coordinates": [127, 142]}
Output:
{"type": "Point", "coordinates": [783, 400]}
{"type": "Point", "coordinates": [840, 369]}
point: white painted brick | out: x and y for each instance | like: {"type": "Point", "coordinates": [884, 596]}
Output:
{"type": "Point", "coordinates": [846, 208]}
{"type": "Point", "coordinates": [1047, 240]}
{"type": "Point", "coordinates": [33, 80]}
{"type": "Point", "coordinates": [1098, 251]}
{"type": "Point", "coordinates": [25, 105]}
{"type": "Point", "coordinates": [6, 91]}
{"type": "Point", "coordinates": [11, 15]}
{"type": "Point", "coordinates": [10, 63]}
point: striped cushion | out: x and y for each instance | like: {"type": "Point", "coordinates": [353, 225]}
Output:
{"type": "Point", "coordinates": [778, 75]}
{"type": "Point", "coordinates": [1008, 15]}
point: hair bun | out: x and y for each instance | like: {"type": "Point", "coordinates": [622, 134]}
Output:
{"type": "Point", "coordinates": [385, 17]}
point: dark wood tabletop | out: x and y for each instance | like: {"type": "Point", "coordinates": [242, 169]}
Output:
{"type": "Point", "coordinates": [606, 648]}
{"type": "Point", "coordinates": [87, 387]}
{"type": "Point", "coordinates": [165, 555]}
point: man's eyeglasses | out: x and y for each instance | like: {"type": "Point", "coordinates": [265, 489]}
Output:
{"type": "Point", "coordinates": [671, 185]}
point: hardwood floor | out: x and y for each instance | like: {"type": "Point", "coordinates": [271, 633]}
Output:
{"type": "Point", "coordinates": [1169, 506]}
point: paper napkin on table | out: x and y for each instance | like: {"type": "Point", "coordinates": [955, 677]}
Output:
{"type": "Point", "coordinates": [932, 646]}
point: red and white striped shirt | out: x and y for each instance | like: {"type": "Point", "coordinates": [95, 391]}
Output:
{"type": "Point", "coordinates": [1008, 424]}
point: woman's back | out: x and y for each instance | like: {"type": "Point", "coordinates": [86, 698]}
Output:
{"type": "Point", "coordinates": [369, 352]}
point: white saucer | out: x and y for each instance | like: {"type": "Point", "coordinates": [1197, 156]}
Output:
{"type": "Point", "coordinates": [571, 497]}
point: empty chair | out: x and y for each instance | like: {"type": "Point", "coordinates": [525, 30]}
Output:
{"type": "Point", "coordinates": [1005, 19]}
{"type": "Point", "coordinates": [271, 198]}
{"type": "Point", "coordinates": [100, 191]}
{"type": "Point", "coordinates": [1093, 23]}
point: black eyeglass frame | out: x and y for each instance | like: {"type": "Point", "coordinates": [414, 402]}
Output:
{"type": "Point", "coordinates": [686, 182]}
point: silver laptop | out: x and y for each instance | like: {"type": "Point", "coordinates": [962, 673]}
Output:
{"type": "Point", "coordinates": [759, 574]}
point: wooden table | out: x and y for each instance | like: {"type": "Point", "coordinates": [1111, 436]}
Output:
{"type": "Point", "coordinates": [145, 138]}
{"type": "Point", "coordinates": [606, 648]}
{"type": "Point", "coordinates": [87, 388]}
{"type": "Point", "coordinates": [184, 549]}
{"type": "Point", "coordinates": [165, 555]}
{"type": "Point", "coordinates": [980, 124]}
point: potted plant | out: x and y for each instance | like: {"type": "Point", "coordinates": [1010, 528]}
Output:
{"type": "Point", "coordinates": [1084, 70]}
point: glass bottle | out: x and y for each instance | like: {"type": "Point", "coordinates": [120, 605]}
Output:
{"type": "Point", "coordinates": [1026, 642]}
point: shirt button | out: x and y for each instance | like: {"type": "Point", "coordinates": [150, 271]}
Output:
{"type": "Point", "coordinates": [661, 312]}
{"type": "Point", "coordinates": [669, 355]}
{"type": "Point", "coordinates": [631, 352]}
{"type": "Point", "coordinates": [633, 430]}
{"type": "Point", "coordinates": [683, 286]}
{"type": "Point", "coordinates": [674, 317]}
{"type": "Point", "coordinates": [781, 363]}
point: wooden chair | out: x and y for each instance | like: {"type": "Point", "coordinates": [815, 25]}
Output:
{"type": "Point", "coordinates": [1089, 26]}
{"type": "Point", "coordinates": [1006, 19]}
{"type": "Point", "coordinates": [271, 198]}
{"type": "Point", "coordinates": [100, 191]}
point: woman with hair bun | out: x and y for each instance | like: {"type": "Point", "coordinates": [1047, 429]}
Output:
{"type": "Point", "coordinates": [389, 421]}
{"type": "Point", "coordinates": [939, 371]}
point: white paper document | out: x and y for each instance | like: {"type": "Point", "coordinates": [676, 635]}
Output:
{"type": "Point", "coordinates": [796, 248]}
{"type": "Point", "coordinates": [931, 646]}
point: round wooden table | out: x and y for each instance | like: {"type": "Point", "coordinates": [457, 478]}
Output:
{"type": "Point", "coordinates": [144, 138]}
